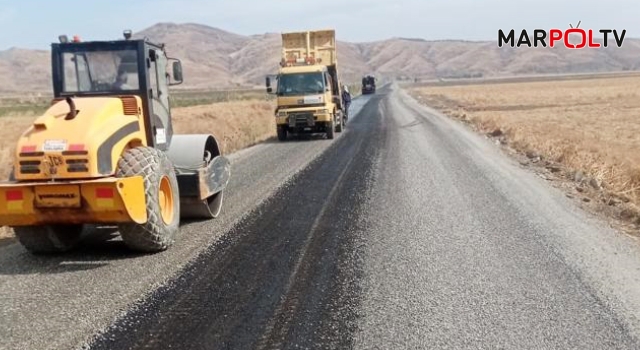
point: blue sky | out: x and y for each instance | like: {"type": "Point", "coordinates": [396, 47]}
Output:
{"type": "Point", "coordinates": [37, 23]}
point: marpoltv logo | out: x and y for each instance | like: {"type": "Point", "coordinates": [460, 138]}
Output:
{"type": "Point", "coordinates": [572, 38]}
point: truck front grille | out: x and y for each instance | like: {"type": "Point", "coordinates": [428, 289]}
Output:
{"type": "Point", "coordinates": [301, 119]}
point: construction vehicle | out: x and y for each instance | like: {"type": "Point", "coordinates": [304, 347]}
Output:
{"type": "Point", "coordinates": [368, 84]}
{"type": "Point", "coordinates": [104, 153]}
{"type": "Point", "coordinates": [308, 85]}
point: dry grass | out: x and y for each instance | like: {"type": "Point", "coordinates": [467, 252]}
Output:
{"type": "Point", "coordinates": [590, 126]}
{"type": "Point", "coordinates": [236, 125]}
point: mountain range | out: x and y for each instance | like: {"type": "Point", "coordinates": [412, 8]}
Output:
{"type": "Point", "coordinates": [216, 59]}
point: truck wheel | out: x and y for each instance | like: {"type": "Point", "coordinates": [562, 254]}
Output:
{"type": "Point", "coordinates": [48, 239]}
{"type": "Point", "coordinates": [282, 133]}
{"type": "Point", "coordinates": [161, 196]}
{"type": "Point", "coordinates": [331, 128]}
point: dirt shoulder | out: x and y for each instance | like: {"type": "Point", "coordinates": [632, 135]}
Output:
{"type": "Point", "coordinates": [581, 136]}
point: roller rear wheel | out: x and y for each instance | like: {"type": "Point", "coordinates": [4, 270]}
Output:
{"type": "Point", "coordinates": [162, 199]}
{"type": "Point", "coordinates": [48, 239]}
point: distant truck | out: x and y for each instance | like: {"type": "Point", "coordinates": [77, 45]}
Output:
{"type": "Point", "coordinates": [368, 84]}
{"type": "Point", "coordinates": [308, 85]}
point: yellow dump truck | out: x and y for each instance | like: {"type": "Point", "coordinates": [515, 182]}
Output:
{"type": "Point", "coordinates": [308, 86]}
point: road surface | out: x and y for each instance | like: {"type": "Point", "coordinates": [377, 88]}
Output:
{"type": "Point", "coordinates": [406, 231]}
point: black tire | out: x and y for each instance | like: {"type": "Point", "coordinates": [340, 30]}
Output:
{"type": "Point", "coordinates": [49, 238]}
{"type": "Point", "coordinates": [282, 133]}
{"type": "Point", "coordinates": [331, 128]}
{"type": "Point", "coordinates": [155, 167]}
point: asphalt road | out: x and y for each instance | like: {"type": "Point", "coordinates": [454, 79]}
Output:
{"type": "Point", "coordinates": [406, 231]}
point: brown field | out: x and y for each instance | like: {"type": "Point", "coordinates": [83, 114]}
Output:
{"type": "Point", "coordinates": [236, 124]}
{"type": "Point", "coordinates": [589, 127]}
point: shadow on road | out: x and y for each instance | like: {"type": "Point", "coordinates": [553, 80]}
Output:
{"type": "Point", "coordinates": [98, 247]}
{"type": "Point", "coordinates": [298, 138]}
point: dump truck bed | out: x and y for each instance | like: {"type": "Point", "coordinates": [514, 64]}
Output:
{"type": "Point", "coordinates": [320, 45]}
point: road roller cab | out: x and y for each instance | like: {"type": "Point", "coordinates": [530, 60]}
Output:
{"type": "Point", "coordinates": [105, 152]}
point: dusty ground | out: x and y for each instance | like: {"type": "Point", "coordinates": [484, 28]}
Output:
{"type": "Point", "coordinates": [236, 125]}
{"type": "Point", "coordinates": [584, 135]}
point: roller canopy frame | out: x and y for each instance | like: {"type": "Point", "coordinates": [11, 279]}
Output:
{"type": "Point", "coordinates": [202, 172]}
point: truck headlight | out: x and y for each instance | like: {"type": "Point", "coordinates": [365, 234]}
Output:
{"type": "Point", "coordinates": [322, 111]}
{"type": "Point", "coordinates": [282, 114]}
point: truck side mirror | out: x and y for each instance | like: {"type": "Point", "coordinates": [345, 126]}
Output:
{"type": "Point", "coordinates": [268, 84]}
{"type": "Point", "coordinates": [177, 72]}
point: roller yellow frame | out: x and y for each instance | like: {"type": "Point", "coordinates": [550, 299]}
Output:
{"type": "Point", "coordinates": [107, 200]}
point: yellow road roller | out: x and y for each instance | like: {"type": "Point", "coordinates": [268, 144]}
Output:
{"type": "Point", "coordinates": [104, 153]}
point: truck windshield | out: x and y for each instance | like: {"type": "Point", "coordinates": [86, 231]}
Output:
{"type": "Point", "coordinates": [300, 84]}
{"type": "Point", "coordinates": [100, 71]}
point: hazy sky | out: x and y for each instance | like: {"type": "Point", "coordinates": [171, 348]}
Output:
{"type": "Point", "coordinates": [37, 23]}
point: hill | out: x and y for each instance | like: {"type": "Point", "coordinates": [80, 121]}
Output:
{"type": "Point", "coordinates": [214, 58]}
